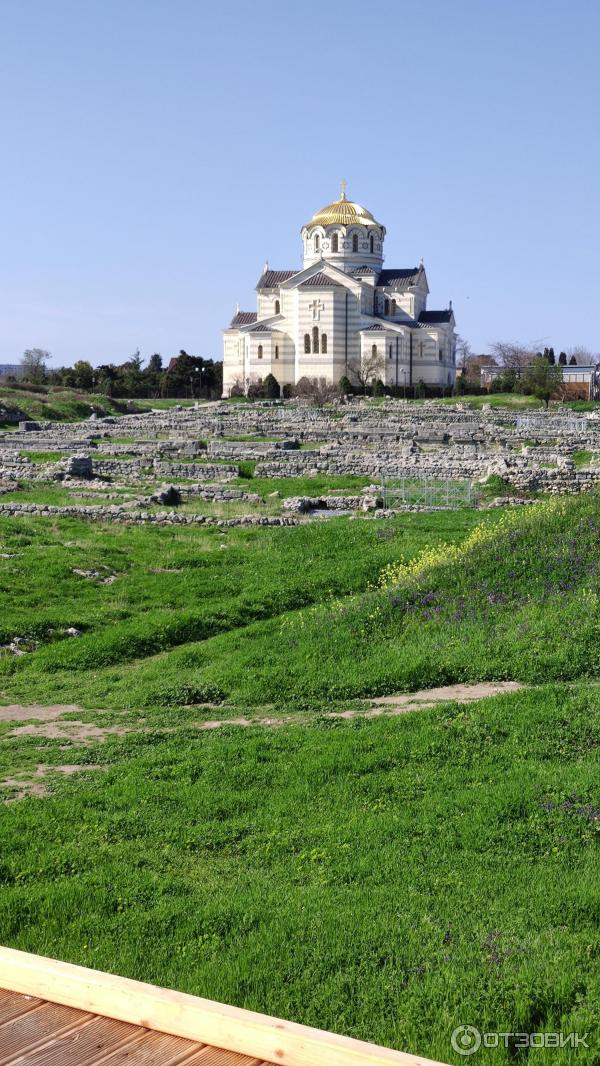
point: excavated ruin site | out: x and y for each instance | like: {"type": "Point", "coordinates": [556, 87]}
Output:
{"type": "Point", "coordinates": [273, 463]}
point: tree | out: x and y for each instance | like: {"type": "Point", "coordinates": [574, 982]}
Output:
{"type": "Point", "coordinates": [471, 369]}
{"type": "Point", "coordinates": [34, 364]}
{"type": "Point", "coordinates": [513, 355]}
{"type": "Point", "coordinates": [154, 364]}
{"type": "Point", "coordinates": [562, 359]}
{"type": "Point", "coordinates": [131, 375]}
{"type": "Point", "coordinates": [367, 368]}
{"type": "Point", "coordinates": [582, 356]}
{"type": "Point", "coordinates": [83, 374]}
{"type": "Point", "coordinates": [317, 391]}
{"type": "Point", "coordinates": [271, 387]}
{"type": "Point", "coordinates": [345, 385]}
{"type": "Point", "coordinates": [463, 351]}
{"type": "Point", "coordinates": [542, 379]}
{"type": "Point", "coordinates": [107, 377]}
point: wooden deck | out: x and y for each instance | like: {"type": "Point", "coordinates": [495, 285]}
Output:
{"type": "Point", "coordinates": [57, 1014]}
{"type": "Point", "coordinates": [35, 1032]}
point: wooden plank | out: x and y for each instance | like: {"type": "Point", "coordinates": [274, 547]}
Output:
{"type": "Point", "coordinates": [222, 1026]}
{"type": "Point", "coordinates": [36, 1028]}
{"type": "Point", "coordinates": [12, 1004]}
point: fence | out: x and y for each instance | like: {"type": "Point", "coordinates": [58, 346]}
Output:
{"type": "Point", "coordinates": [429, 492]}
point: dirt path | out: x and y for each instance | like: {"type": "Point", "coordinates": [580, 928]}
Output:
{"type": "Point", "coordinates": [49, 723]}
{"type": "Point", "coordinates": [52, 725]}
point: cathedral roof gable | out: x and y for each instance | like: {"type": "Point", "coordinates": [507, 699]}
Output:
{"type": "Point", "coordinates": [401, 279]}
{"type": "Point", "coordinates": [430, 318]}
{"type": "Point", "coordinates": [326, 270]}
{"type": "Point", "coordinates": [242, 318]}
{"type": "Point", "coordinates": [272, 279]}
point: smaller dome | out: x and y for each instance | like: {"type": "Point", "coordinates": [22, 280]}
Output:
{"type": "Point", "coordinates": [345, 213]}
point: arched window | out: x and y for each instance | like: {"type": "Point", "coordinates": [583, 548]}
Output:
{"type": "Point", "coordinates": [277, 351]}
{"type": "Point", "coordinates": [316, 242]}
{"type": "Point", "coordinates": [260, 351]}
{"type": "Point", "coordinates": [374, 351]}
{"type": "Point", "coordinates": [335, 243]}
{"type": "Point", "coordinates": [277, 307]}
{"type": "Point", "coordinates": [315, 346]}
{"type": "Point", "coordinates": [355, 242]}
{"type": "Point", "coordinates": [440, 354]}
{"type": "Point", "coordinates": [393, 307]}
{"type": "Point", "coordinates": [386, 307]}
{"type": "Point", "coordinates": [324, 343]}
{"type": "Point", "coordinates": [421, 348]}
{"type": "Point", "coordinates": [371, 244]}
{"type": "Point", "coordinates": [390, 351]}
{"type": "Point", "coordinates": [307, 343]}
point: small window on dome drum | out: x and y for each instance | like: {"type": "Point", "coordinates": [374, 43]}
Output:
{"type": "Point", "coordinates": [335, 243]}
{"type": "Point", "coordinates": [355, 242]}
{"type": "Point", "coordinates": [386, 307]}
{"type": "Point", "coordinates": [371, 243]}
{"type": "Point", "coordinates": [277, 307]}
{"type": "Point", "coordinates": [316, 242]}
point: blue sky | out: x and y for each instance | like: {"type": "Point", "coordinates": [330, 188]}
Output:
{"type": "Point", "coordinates": [156, 152]}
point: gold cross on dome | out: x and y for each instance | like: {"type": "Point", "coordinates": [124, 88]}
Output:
{"type": "Point", "coordinates": [344, 187]}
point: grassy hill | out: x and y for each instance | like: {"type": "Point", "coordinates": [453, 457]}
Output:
{"type": "Point", "coordinates": [301, 616]}
{"type": "Point", "coordinates": [54, 404]}
{"type": "Point", "coordinates": [390, 878]}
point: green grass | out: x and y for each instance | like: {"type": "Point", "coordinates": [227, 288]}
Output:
{"type": "Point", "coordinates": [43, 457]}
{"type": "Point", "coordinates": [389, 879]}
{"type": "Point", "coordinates": [320, 485]}
{"type": "Point", "coordinates": [174, 590]}
{"type": "Point", "coordinates": [494, 399]}
{"type": "Point", "coordinates": [583, 458]}
{"type": "Point", "coordinates": [289, 617]}
{"type": "Point", "coordinates": [71, 405]}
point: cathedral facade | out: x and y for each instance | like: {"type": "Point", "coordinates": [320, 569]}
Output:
{"type": "Point", "coordinates": [342, 314]}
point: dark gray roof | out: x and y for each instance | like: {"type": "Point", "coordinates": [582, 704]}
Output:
{"type": "Point", "coordinates": [243, 318]}
{"type": "Point", "coordinates": [320, 281]}
{"type": "Point", "coordinates": [261, 329]}
{"type": "Point", "coordinates": [272, 279]}
{"type": "Point", "coordinates": [390, 323]}
{"type": "Point", "coordinates": [434, 316]}
{"type": "Point", "coordinates": [399, 279]}
{"type": "Point", "coordinates": [358, 271]}
{"type": "Point", "coordinates": [371, 329]}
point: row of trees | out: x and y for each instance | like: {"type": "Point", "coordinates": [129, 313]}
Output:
{"type": "Point", "coordinates": [185, 376]}
{"type": "Point", "coordinates": [521, 367]}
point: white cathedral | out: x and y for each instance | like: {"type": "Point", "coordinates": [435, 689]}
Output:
{"type": "Point", "coordinates": [342, 314]}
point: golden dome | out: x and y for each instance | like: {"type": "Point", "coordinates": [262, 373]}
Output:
{"type": "Point", "coordinates": [344, 212]}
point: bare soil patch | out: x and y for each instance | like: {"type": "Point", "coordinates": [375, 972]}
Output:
{"type": "Point", "coordinates": [52, 727]}
{"type": "Point", "coordinates": [17, 712]}
{"type": "Point", "coordinates": [34, 783]}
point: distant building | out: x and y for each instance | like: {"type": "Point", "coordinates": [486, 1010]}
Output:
{"type": "Point", "coordinates": [341, 311]}
{"type": "Point", "coordinates": [578, 382]}
{"type": "Point", "coordinates": [11, 370]}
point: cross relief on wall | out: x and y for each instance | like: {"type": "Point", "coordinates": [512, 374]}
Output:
{"type": "Point", "coordinates": [316, 307]}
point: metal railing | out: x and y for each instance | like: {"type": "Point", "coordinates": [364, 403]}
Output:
{"type": "Point", "coordinates": [444, 493]}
